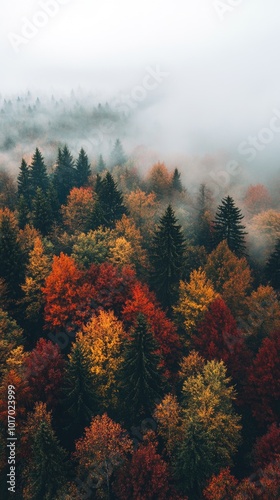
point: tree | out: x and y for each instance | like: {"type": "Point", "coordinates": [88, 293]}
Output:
{"type": "Point", "coordinates": [38, 173]}
{"type": "Point", "coordinates": [80, 399]}
{"type": "Point", "coordinates": [158, 180]}
{"type": "Point", "coordinates": [44, 370]}
{"type": "Point", "coordinates": [102, 339]}
{"type": "Point", "coordinates": [37, 270]}
{"type": "Point", "coordinates": [101, 165]}
{"type": "Point", "coordinates": [227, 226]}
{"type": "Point", "coordinates": [264, 232]}
{"type": "Point", "coordinates": [102, 451]}
{"type": "Point", "coordinates": [65, 174]}
{"type": "Point", "coordinates": [92, 247]}
{"type": "Point", "coordinates": [78, 212]}
{"type": "Point", "coordinates": [257, 199]}
{"type": "Point", "coordinates": [24, 188]}
{"type": "Point", "coordinates": [273, 267]}
{"type": "Point", "coordinates": [140, 380]}
{"type": "Point", "coordinates": [267, 447]}
{"type": "Point", "coordinates": [221, 486]}
{"type": "Point", "coordinates": [117, 156]}
{"type": "Point", "coordinates": [110, 207]}
{"type": "Point", "coordinates": [46, 468]}
{"type": "Point", "coordinates": [167, 258]}
{"type": "Point", "coordinates": [11, 336]}
{"type": "Point", "coordinates": [83, 170]}
{"type": "Point", "coordinates": [202, 223]}
{"type": "Point", "coordinates": [195, 298]}
{"type": "Point", "coordinates": [121, 252]}
{"type": "Point", "coordinates": [11, 255]}
{"type": "Point", "coordinates": [42, 216]}
{"type": "Point", "coordinates": [176, 183]}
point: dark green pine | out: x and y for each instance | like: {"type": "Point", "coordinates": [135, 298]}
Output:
{"type": "Point", "coordinates": [38, 173]}
{"type": "Point", "coordinates": [176, 183]}
{"type": "Point", "coordinates": [109, 207]}
{"type": "Point", "coordinates": [227, 226]}
{"type": "Point", "coordinates": [80, 400]}
{"type": "Point", "coordinates": [202, 230]}
{"type": "Point", "coordinates": [140, 379]}
{"type": "Point", "coordinates": [101, 165]}
{"type": "Point", "coordinates": [272, 269]}
{"type": "Point", "coordinates": [11, 258]}
{"type": "Point", "coordinates": [117, 156]}
{"type": "Point", "coordinates": [42, 212]}
{"type": "Point", "coordinates": [47, 469]}
{"type": "Point", "coordinates": [167, 258]}
{"type": "Point", "coordinates": [64, 178]}
{"type": "Point", "coordinates": [83, 169]}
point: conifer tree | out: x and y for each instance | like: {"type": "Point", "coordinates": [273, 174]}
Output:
{"type": "Point", "coordinates": [83, 169]}
{"type": "Point", "coordinates": [140, 380]}
{"type": "Point", "coordinates": [80, 399]}
{"type": "Point", "coordinates": [273, 267]}
{"type": "Point", "coordinates": [65, 174]}
{"type": "Point", "coordinates": [42, 212]}
{"type": "Point", "coordinates": [38, 173]}
{"type": "Point", "coordinates": [117, 156]}
{"type": "Point", "coordinates": [176, 182]}
{"type": "Point", "coordinates": [167, 258]}
{"type": "Point", "coordinates": [227, 226]}
{"type": "Point", "coordinates": [11, 255]}
{"type": "Point", "coordinates": [101, 165]}
{"type": "Point", "coordinates": [109, 207]}
{"type": "Point", "coordinates": [203, 235]}
{"type": "Point", "coordinates": [23, 180]}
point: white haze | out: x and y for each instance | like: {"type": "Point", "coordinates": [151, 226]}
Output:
{"type": "Point", "coordinates": [223, 83]}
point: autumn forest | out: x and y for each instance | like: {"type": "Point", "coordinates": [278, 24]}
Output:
{"type": "Point", "coordinates": [139, 332]}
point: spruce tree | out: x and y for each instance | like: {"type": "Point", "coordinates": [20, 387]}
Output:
{"type": "Point", "coordinates": [109, 207]}
{"type": "Point", "coordinates": [23, 194]}
{"type": "Point", "coordinates": [167, 258]}
{"type": "Point", "coordinates": [42, 212]}
{"type": "Point", "coordinates": [227, 226]}
{"type": "Point", "coordinates": [11, 255]}
{"type": "Point", "coordinates": [202, 230]}
{"type": "Point", "coordinates": [65, 175]}
{"type": "Point", "coordinates": [117, 156]}
{"type": "Point", "coordinates": [80, 400]}
{"type": "Point", "coordinates": [101, 165]}
{"type": "Point", "coordinates": [83, 169]}
{"type": "Point", "coordinates": [140, 379]}
{"type": "Point", "coordinates": [38, 173]}
{"type": "Point", "coordinates": [176, 182]}
{"type": "Point", "coordinates": [272, 269]}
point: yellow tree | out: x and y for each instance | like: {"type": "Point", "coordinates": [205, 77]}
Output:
{"type": "Point", "coordinates": [143, 209]}
{"type": "Point", "coordinates": [78, 212]}
{"type": "Point", "coordinates": [231, 277]}
{"type": "Point", "coordinates": [38, 269]}
{"type": "Point", "coordinates": [126, 228]}
{"type": "Point", "coordinates": [194, 300]}
{"type": "Point", "coordinates": [121, 252]}
{"type": "Point", "coordinates": [159, 180]}
{"type": "Point", "coordinates": [102, 339]}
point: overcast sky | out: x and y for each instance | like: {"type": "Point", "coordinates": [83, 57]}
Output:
{"type": "Point", "coordinates": [222, 59]}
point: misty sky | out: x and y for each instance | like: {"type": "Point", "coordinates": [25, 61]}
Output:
{"type": "Point", "coordinates": [224, 70]}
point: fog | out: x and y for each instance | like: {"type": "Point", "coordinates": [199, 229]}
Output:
{"type": "Point", "coordinates": [192, 83]}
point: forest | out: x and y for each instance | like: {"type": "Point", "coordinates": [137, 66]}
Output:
{"type": "Point", "coordinates": [139, 332]}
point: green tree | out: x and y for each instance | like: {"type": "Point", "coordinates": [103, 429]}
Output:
{"type": "Point", "coordinates": [176, 183]}
{"type": "Point", "coordinates": [140, 379]}
{"type": "Point", "coordinates": [80, 400]}
{"type": "Point", "coordinates": [202, 232]}
{"type": "Point", "coordinates": [273, 267]}
{"type": "Point", "coordinates": [42, 212]}
{"type": "Point", "coordinates": [38, 173]}
{"type": "Point", "coordinates": [11, 255]}
{"type": "Point", "coordinates": [117, 156]}
{"type": "Point", "coordinates": [227, 226]}
{"type": "Point", "coordinates": [109, 207]}
{"type": "Point", "coordinates": [101, 165]}
{"type": "Point", "coordinates": [83, 169]}
{"type": "Point", "coordinates": [167, 258]}
{"type": "Point", "coordinates": [65, 174]}
{"type": "Point", "coordinates": [23, 194]}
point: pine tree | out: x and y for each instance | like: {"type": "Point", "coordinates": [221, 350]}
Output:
{"type": "Point", "coordinates": [101, 165]}
{"type": "Point", "coordinates": [42, 212]}
{"type": "Point", "coordinates": [109, 207]}
{"type": "Point", "coordinates": [167, 258]}
{"type": "Point", "coordinates": [176, 182]}
{"type": "Point", "coordinates": [23, 194]}
{"type": "Point", "coordinates": [227, 226]}
{"type": "Point", "coordinates": [140, 380]}
{"type": "Point", "coordinates": [80, 399]}
{"type": "Point", "coordinates": [273, 267]}
{"type": "Point", "coordinates": [203, 235]}
{"type": "Point", "coordinates": [83, 169]}
{"type": "Point", "coordinates": [11, 255]}
{"type": "Point", "coordinates": [38, 173]}
{"type": "Point", "coordinates": [117, 156]}
{"type": "Point", "coordinates": [46, 468]}
{"type": "Point", "coordinates": [65, 174]}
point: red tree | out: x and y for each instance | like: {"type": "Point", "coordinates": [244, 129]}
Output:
{"type": "Point", "coordinates": [267, 448]}
{"type": "Point", "coordinates": [143, 301]}
{"type": "Point", "coordinates": [221, 487]}
{"type": "Point", "coordinates": [264, 381]}
{"type": "Point", "coordinates": [44, 371]}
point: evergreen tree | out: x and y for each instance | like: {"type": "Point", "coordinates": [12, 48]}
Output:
{"type": "Point", "coordinates": [42, 212]}
{"type": "Point", "coordinates": [11, 255]}
{"type": "Point", "coordinates": [273, 267]}
{"type": "Point", "coordinates": [140, 380]}
{"type": "Point", "coordinates": [65, 174]}
{"type": "Point", "coordinates": [46, 469]}
{"type": "Point", "coordinates": [227, 226]}
{"type": "Point", "coordinates": [23, 209]}
{"type": "Point", "coordinates": [80, 398]}
{"type": "Point", "coordinates": [117, 156]}
{"type": "Point", "coordinates": [109, 207]}
{"type": "Point", "coordinates": [167, 258]}
{"type": "Point", "coordinates": [203, 235]}
{"type": "Point", "coordinates": [101, 165]}
{"type": "Point", "coordinates": [38, 173]}
{"type": "Point", "coordinates": [83, 169]}
{"type": "Point", "coordinates": [176, 183]}
{"type": "Point", "coordinates": [23, 194]}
